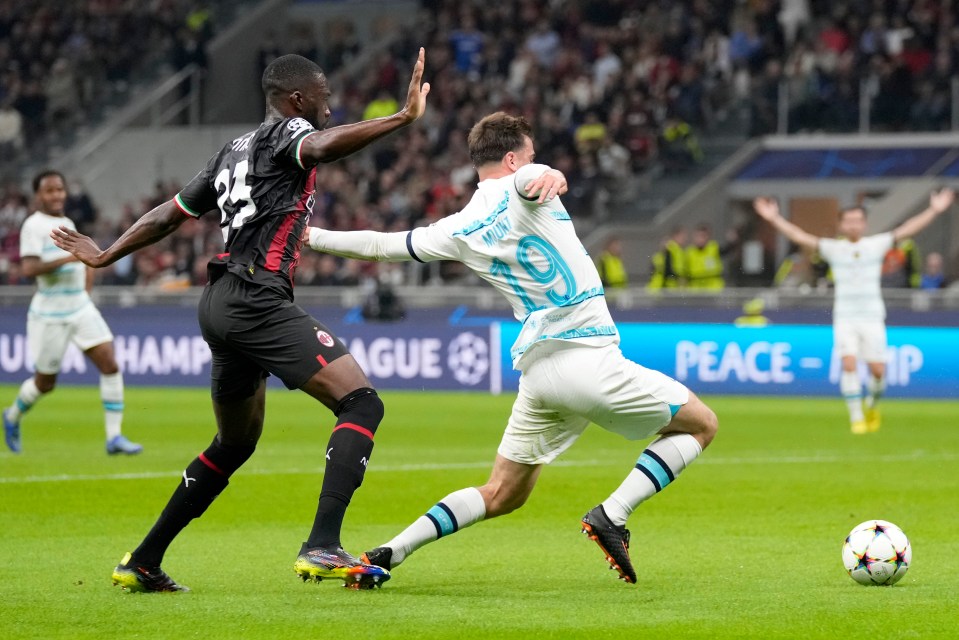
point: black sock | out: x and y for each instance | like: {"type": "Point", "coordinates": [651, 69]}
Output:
{"type": "Point", "coordinates": [202, 482]}
{"type": "Point", "coordinates": [347, 455]}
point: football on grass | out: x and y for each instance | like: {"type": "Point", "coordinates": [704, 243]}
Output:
{"type": "Point", "coordinates": [876, 552]}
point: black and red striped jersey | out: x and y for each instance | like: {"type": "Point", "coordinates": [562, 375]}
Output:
{"type": "Point", "coordinates": [265, 197]}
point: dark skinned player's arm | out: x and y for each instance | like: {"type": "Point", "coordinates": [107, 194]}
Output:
{"type": "Point", "coordinates": [338, 142]}
{"type": "Point", "coordinates": [153, 226]}
{"type": "Point", "coordinates": [332, 144]}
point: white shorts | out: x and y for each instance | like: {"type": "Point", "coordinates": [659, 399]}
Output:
{"type": "Point", "coordinates": [863, 339]}
{"type": "Point", "coordinates": [561, 392]}
{"type": "Point", "coordinates": [48, 338]}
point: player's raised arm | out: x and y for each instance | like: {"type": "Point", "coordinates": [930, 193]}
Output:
{"type": "Point", "coordinates": [768, 209]}
{"type": "Point", "coordinates": [153, 226]}
{"type": "Point", "coordinates": [939, 202]}
{"type": "Point", "coordinates": [338, 142]}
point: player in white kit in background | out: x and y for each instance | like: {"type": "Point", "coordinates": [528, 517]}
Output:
{"type": "Point", "coordinates": [61, 312]}
{"type": "Point", "coordinates": [572, 370]}
{"type": "Point", "coordinates": [859, 314]}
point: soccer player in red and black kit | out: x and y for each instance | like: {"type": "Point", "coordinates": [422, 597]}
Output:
{"type": "Point", "coordinates": [262, 183]}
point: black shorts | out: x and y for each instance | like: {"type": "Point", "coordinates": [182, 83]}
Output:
{"type": "Point", "coordinates": [254, 330]}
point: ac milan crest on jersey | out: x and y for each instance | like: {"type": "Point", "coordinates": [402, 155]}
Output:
{"type": "Point", "coordinates": [325, 339]}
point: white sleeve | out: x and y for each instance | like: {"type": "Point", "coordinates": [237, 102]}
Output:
{"type": "Point", "coordinates": [827, 248]}
{"type": "Point", "coordinates": [524, 176]}
{"type": "Point", "coordinates": [362, 245]}
{"type": "Point", "coordinates": [435, 242]}
{"type": "Point", "coordinates": [31, 240]}
{"type": "Point", "coordinates": [884, 242]}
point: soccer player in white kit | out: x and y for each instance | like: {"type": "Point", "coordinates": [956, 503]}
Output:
{"type": "Point", "coordinates": [572, 370]}
{"type": "Point", "coordinates": [859, 314]}
{"type": "Point", "coordinates": [61, 312]}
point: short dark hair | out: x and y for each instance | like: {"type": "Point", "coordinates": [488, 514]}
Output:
{"type": "Point", "coordinates": [855, 207]}
{"type": "Point", "coordinates": [46, 173]}
{"type": "Point", "coordinates": [496, 135]}
{"type": "Point", "coordinates": [287, 74]}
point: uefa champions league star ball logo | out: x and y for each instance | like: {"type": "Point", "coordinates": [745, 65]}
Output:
{"type": "Point", "coordinates": [468, 358]}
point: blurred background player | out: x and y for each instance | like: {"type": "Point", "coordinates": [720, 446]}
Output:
{"type": "Point", "coordinates": [262, 184]}
{"type": "Point", "coordinates": [572, 370]}
{"type": "Point", "coordinates": [859, 314]}
{"type": "Point", "coordinates": [62, 312]}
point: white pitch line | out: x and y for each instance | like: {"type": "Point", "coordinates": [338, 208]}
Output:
{"type": "Point", "coordinates": [831, 458]}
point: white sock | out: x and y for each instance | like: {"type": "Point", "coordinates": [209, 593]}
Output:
{"type": "Point", "coordinates": [26, 398]}
{"type": "Point", "coordinates": [658, 465]}
{"type": "Point", "coordinates": [851, 388]}
{"type": "Point", "coordinates": [876, 387]}
{"type": "Point", "coordinates": [456, 511]}
{"type": "Point", "coordinates": [111, 393]}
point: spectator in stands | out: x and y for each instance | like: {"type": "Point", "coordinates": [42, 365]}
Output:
{"type": "Point", "coordinates": [340, 44]}
{"type": "Point", "coordinates": [704, 262]}
{"type": "Point", "coordinates": [11, 129]}
{"type": "Point", "coordinates": [269, 51]}
{"type": "Point", "coordinates": [467, 43]}
{"type": "Point", "coordinates": [60, 87]}
{"type": "Point", "coordinates": [32, 105]}
{"type": "Point", "coordinates": [382, 105]}
{"type": "Point", "coordinates": [764, 100]}
{"type": "Point", "coordinates": [669, 263]}
{"type": "Point", "coordinates": [932, 275]}
{"type": "Point", "coordinates": [590, 134]}
{"type": "Point", "coordinates": [679, 146]}
{"type": "Point", "coordinates": [612, 271]}
{"type": "Point", "coordinates": [902, 266]}
{"type": "Point", "coordinates": [544, 43]}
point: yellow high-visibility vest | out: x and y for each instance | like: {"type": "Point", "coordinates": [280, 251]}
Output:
{"type": "Point", "coordinates": [658, 278]}
{"type": "Point", "coordinates": [675, 271]}
{"type": "Point", "coordinates": [611, 271]}
{"type": "Point", "coordinates": [704, 267]}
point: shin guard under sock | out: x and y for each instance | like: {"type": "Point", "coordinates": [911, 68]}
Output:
{"type": "Point", "coordinates": [347, 455]}
{"type": "Point", "coordinates": [202, 482]}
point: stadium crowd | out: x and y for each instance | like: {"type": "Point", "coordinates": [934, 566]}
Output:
{"type": "Point", "coordinates": [63, 61]}
{"type": "Point", "coordinates": [614, 89]}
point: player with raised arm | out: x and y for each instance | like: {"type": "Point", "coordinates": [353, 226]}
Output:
{"type": "Point", "coordinates": [262, 184]}
{"type": "Point", "coordinates": [518, 237]}
{"type": "Point", "coordinates": [62, 312]}
{"type": "Point", "coordinates": [859, 314]}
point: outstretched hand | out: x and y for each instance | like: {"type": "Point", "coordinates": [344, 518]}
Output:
{"type": "Point", "coordinates": [416, 96]}
{"type": "Point", "coordinates": [81, 246]}
{"type": "Point", "coordinates": [942, 199]}
{"type": "Point", "coordinates": [549, 185]}
{"type": "Point", "coordinates": [766, 208]}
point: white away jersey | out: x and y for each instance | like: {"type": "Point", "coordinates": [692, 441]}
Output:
{"type": "Point", "coordinates": [531, 254]}
{"type": "Point", "coordinates": [857, 271]}
{"type": "Point", "coordinates": [63, 292]}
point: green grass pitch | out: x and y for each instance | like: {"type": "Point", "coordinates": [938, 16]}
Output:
{"type": "Point", "coordinates": [745, 544]}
